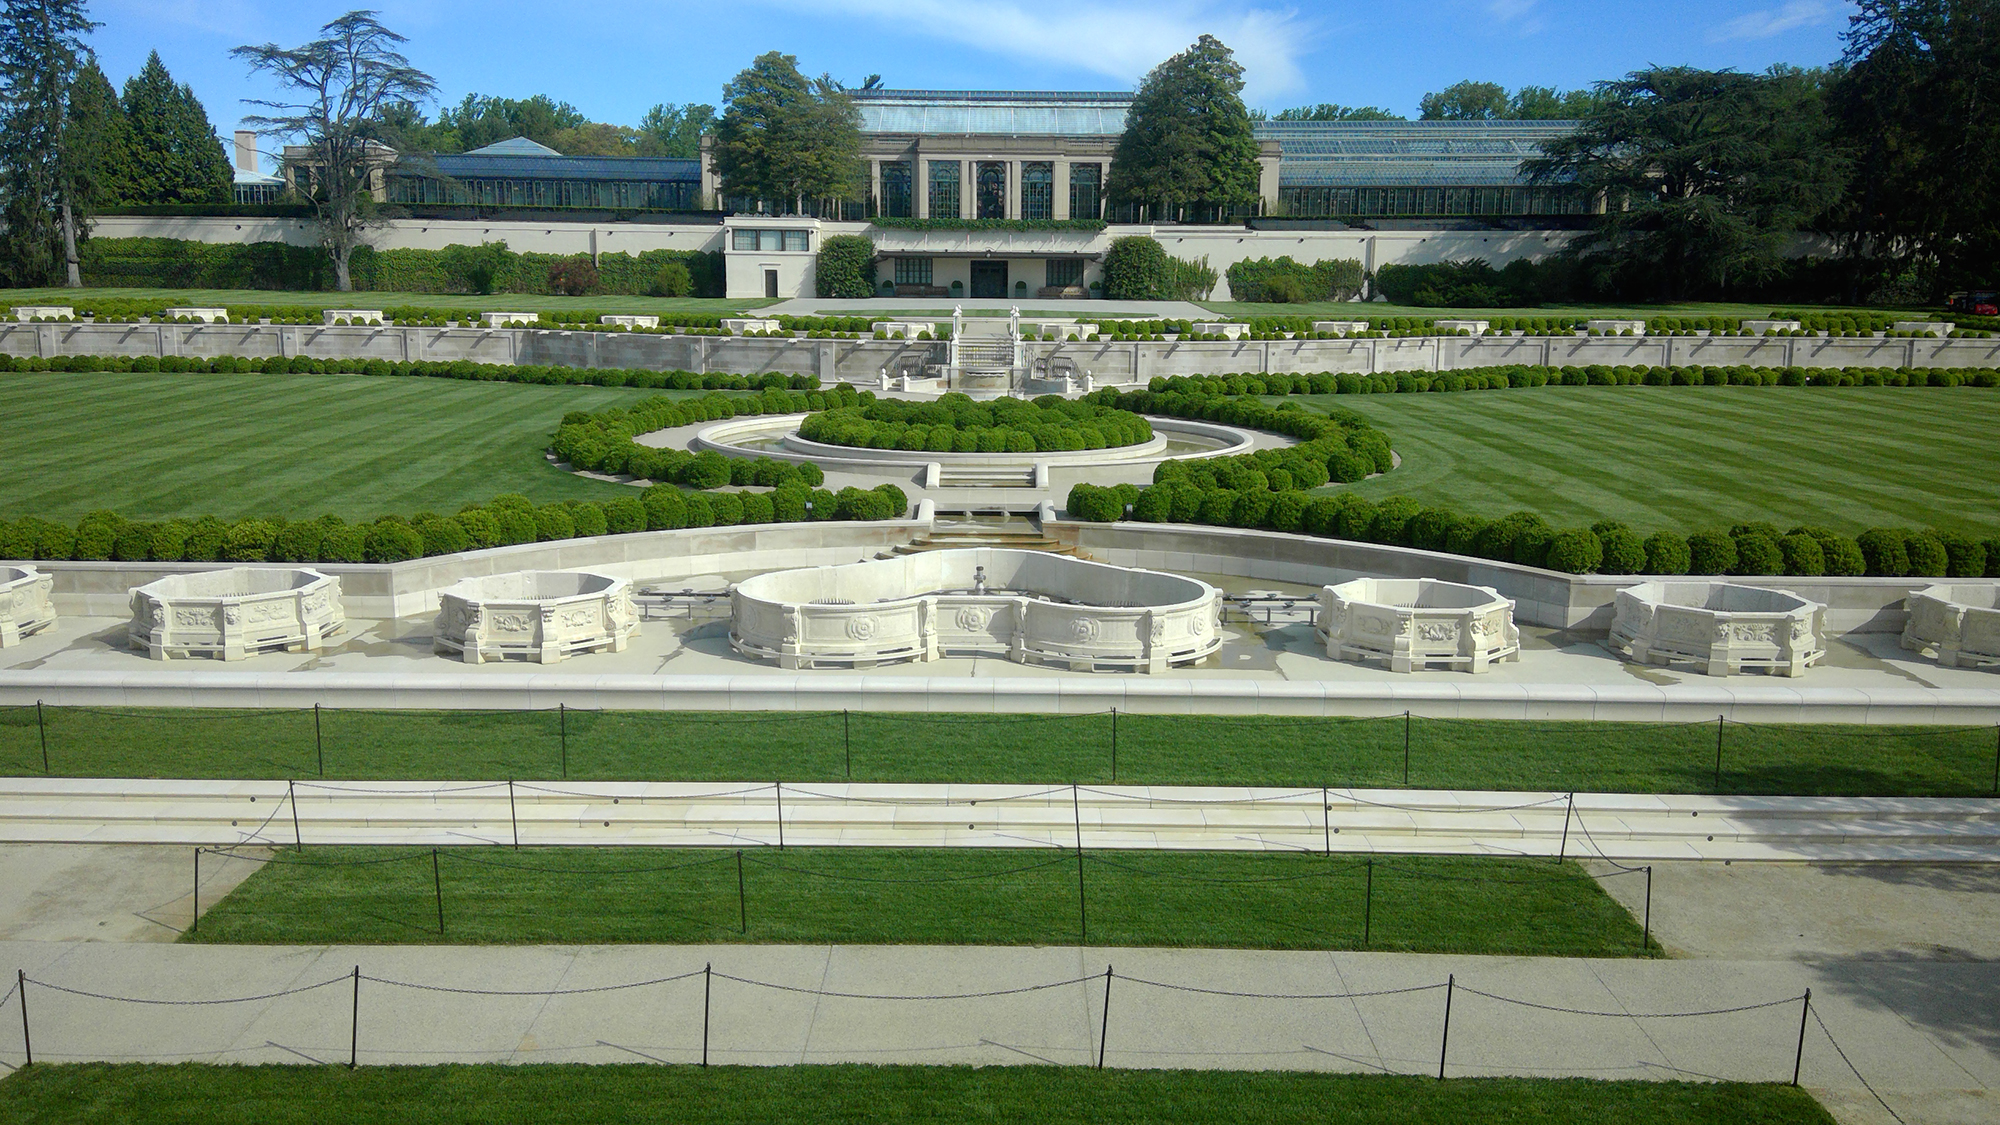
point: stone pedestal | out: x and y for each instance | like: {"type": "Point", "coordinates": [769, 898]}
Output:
{"type": "Point", "coordinates": [1959, 623]}
{"type": "Point", "coordinates": [1721, 627]}
{"type": "Point", "coordinates": [1411, 623]}
{"type": "Point", "coordinates": [236, 613]}
{"type": "Point", "coordinates": [25, 605]}
{"type": "Point", "coordinates": [543, 616]}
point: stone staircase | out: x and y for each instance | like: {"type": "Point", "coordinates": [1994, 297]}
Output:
{"type": "Point", "coordinates": [985, 354]}
{"type": "Point", "coordinates": [1009, 538]}
{"type": "Point", "coordinates": [990, 476]}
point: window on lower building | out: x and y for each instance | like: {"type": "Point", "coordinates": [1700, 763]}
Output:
{"type": "Point", "coordinates": [913, 271]}
{"type": "Point", "coordinates": [797, 240]}
{"type": "Point", "coordinates": [944, 189]}
{"type": "Point", "coordinates": [895, 202]}
{"type": "Point", "coordinates": [1064, 272]}
{"type": "Point", "coordinates": [1038, 190]}
{"type": "Point", "coordinates": [743, 239]}
{"type": "Point", "coordinates": [992, 190]}
{"type": "Point", "coordinates": [1086, 182]}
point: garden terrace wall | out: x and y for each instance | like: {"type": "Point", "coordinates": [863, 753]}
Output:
{"type": "Point", "coordinates": [862, 361]}
{"type": "Point", "coordinates": [1582, 602]}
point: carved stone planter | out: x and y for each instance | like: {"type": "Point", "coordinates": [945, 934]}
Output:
{"type": "Point", "coordinates": [236, 613]}
{"type": "Point", "coordinates": [1960, 623]}
{"type": "Point", "coordinates": [1723, 627]}
{"type": "Point", "coordinates": [1413, 622]}
{"type": "Point", "coordinates": [1026, 606]}
{"type": "Point", "coordinates": [25, 608]}
{"type": "Point", "coordinates": [537, 615]}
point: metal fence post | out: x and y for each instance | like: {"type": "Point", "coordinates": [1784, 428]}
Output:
{"type": "Point", "coordinates": [292, 799]}
{"type": "Point", "coordinates": [1114, 744]}
{"type": "Point", "coordinates": [847, 742]}
{"type": "Point", "coordinates": [21, 990]}
{"type": "Point", "coordinates": [1646, 931]}
{"type": "Point", "coordinates": [742, 898]}
{"type": "Point", "coordinates": [1798, 1060]}
{"type": "Point", "coordinates": [778, 797]}
{"type": "Point", "coordinates": [1444, 1044]}
{"type": "Point", "coordinates": [707, 979]}
{"type": "Point", "coordinates": [437, 884]}
{"type": "Point", "coordinates": [42, 724]}
{"type": "Point", "coordinates": [562, 729]}
{"type": "Point", "coordinates": [1082, 906]}
{"type": "Point", "coordinates": [1406, 748]}
{"type": "Point", "coordinates": [1368, 904]}
{"type": "Point", "coordinates": [195, 924]}
{"type": "Point", "coordinates": [319, 742]}
{"type": "Point", "coordinates": [354, 1025]}
{"type": "Point", "coordinates": [513, 818]}
{"type": "Point", "coordinates": [1562, 850]}
{"type": "Point", "coordinates": [1718, 753]}
{"type": "Point", "coordinates": [1326, 819]}
{"type": "Point", "coordinates": [1104, 1028]}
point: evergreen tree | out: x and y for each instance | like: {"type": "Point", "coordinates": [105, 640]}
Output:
{"type": "Point", "coordinates": [97, 141]}
{"type": "Point", "coordinates": [41, 52]}
{"type": "Point", "coordinates": [176, 157]}
{"type": "Point", "coordinates": [785, 138]}
{"type": "Point", "coordinates": [1187, 139]}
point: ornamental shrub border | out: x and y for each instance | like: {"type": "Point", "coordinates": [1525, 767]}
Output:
{"type": "Point", "coordinates": [1592, 375]}
{"type": "Point", "coordinates": [957, 424]}
{"type": "Point", "coordinates": [603, 441]}
{"type": "Point", "coordinates": [1338, 445]}
{"type": "Point", "coordinates": [503, 521]}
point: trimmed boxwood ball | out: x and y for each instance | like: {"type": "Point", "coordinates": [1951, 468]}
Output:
{"type": "Point", "coordinates": [1288, 510]}
{"type": "Point", "coordinates": [347, 543]}
{"type": "Point", "coordinates": [1966, 557]}
{"type": "Point", "coordinates": [1883, 553]}
{"type": "Point", "coordinates": [625, 515]}
{"type": "Point", "coordinates": [1576, 550]}
{"type": "Point", "coordinates": [249, 541]}
{"type": "Point", "coordinates": [444, 537]}
{"type": "Point", "coordinates": [1667, 553]}
{"type": "Point", "coordinates": [1802, 554]}
{"type": "Point", "coordinates": [1927, 556]}
{"type": "Point", "coordinates": [1757, 553]}
{"type": "Point", "coordinates": [1624, 551]}
{"type": "Point", "coordinates": [1711, 552]}
{"type": "Point", "coordinates": [1392, 520]}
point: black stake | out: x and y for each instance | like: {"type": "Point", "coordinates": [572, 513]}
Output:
{"type": "Point", "coordinates": [513, 818]}
{"type": "Point", "coordinates": [847, 742]}
{"type": "Point", "coordinates": [292, 799]}
{"type": "Point", "coordinates": [1105, 1027]}
{"type": "Point", "coordinates": [1326, 819]}
{"type": "Point", "coordinates": [1406, 748]}
{"type": "Point", "coordinates": [1996, 758]}
{"type": "Point", "coordinates": [319, 743]}
{"type": "Point", "coordinates": [742, 900]}
{"type": "Point", "coordinates": [437, 884]}
{"type": "Point", "coordinates": [1445, 1043]}
{"type": "Point", "coordinates": [707, 976]}
{"type": "Point", "coordinates": [1114, 744]}
{"type": "Point", "coordinates": [354, 1025]}
{"type": "Point", "coordinates": [27, 1044]}
{"type": "Point", "coordinates": [195, 925]}
{"type": "Point", "coordinates": [42, 723]}
{"type": "Point", "coordinates": [1718, 753]}
{"type": "Point", "coordinates": [1562, 850]}
{"type": "Point", "coordinates": [778, 795]}
{"type": "Point", "coordinates": [1799, 1059]}
{"type": "Point", "coordinates": [1368, 904]}
{"type": "Point", "coordinates": [1646, 932]}
{"type": "Point", "coordinates": [562, 726]}
{"type": "Point", "coordinates": [1082, 905]}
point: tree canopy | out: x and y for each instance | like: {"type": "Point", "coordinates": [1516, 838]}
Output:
{"type": "Point", "coordinates": [1705, 176]}
{"type": "Point", "coordinates": [175, 156]}
{"type": "Point", "coordinates": [784, 138]}
{"type": "Point", "coordinates": [41, 54]}
{"type": "Point", "coordinates": [1187, 139]}
{"type": "Point", "coordinates": [1489, 101]}
{"type": "Point", "coordinates": [1327, 111]}
{"type": "Point", "coordinates": [675, 130]}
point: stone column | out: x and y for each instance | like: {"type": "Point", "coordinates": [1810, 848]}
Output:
{"type": "Point", "coordinates": [875, 183]}
{"type": "Point", "coordinates": [920, 186]}
{"type": "Point", "coordinates": [1013, 191]}
{"type": "Point", "coordinates": [1059, 188]}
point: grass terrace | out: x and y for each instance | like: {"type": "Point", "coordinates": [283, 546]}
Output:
{"type": "Point", "coordinates": [377, 299]}
{"type": "Point", "coordinates": [1364, 310]}
{"type": "Point", "coordinates": [195, 1094]}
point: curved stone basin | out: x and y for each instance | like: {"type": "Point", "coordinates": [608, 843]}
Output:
{"type": "Point", "coordinates": [1029, 607]}
{"type": "Point", "coordinates": [1721, 626]}
{"type": "Point", "coordinates": [1413, 622]}
{"type": "Point", "coordinates": [1961, 623]}
{"type": "Point", "coordinates": [25, 607]}
{"type": "Point", "coordinates": [537, 615]}
{"type": "Point", "coordinates": [236, 613]}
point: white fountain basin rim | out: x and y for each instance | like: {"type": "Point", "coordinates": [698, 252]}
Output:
{"type": "Point", "coordinates": [532, 586]}
{"type": "Point", "coordinates": [1976, 595]}
{"type": "Point", "coordinates": [235, 582]}
{"type": "Point", "coordinates": [1719, 597]}
{"type": "Point", "coordinates": [879, 582]}
{"type": "Point", "coordinates": [1416, 594]}
{"type": "Point", "coordinates": [12, 574]}
{"type": "Point", "coordinates": [727, 437]}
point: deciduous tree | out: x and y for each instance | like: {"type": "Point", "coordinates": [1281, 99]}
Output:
{"type": "Point", "coordinates": [1187, 138]}
{"type": "Point", "coordinates": [786, 138]}
{"type": "Point", "coordinates": [675, 130]}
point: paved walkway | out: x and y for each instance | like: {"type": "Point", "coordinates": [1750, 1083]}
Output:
{"type": "Point", "coordinates": [1625, 827]}
{"type": "Point", "coordinates": [1925, 1034]}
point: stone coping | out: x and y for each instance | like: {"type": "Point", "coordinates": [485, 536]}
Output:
{"type": "Point", "coordinates": [532, 586]}
{"type": "Point", "coordinates": [722, 436]}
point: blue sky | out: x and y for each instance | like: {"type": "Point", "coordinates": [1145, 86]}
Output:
{"type": "Point", "coordinates": [614, 58]}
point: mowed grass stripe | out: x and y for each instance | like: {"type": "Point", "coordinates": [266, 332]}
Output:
{"type": "Point", "coordinates": [378, 299]}
{"type": "Point", "coordinates": [159, 446]}
{"type": "Point", "coordinates": [1688, 458]}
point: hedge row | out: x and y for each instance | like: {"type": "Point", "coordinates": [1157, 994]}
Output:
{"type": "Point", "coordinates": [1609, 547]}
{"type": "Point", "coordinates": [1338, 445]}
{"type": "Point", "coordinates": [502, 521]}
{"type": "Point", "coordinates": [1593, 375]}
{"type": "Point", "coordinates": [1286, 280]}
{"type": "Point", "coordinates": [957, 424]}
{"type": "Point", "coordinates": [603, 441]}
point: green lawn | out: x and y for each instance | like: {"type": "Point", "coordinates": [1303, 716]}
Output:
{"type": "Point", "coordinates": [193, 1094]}
{"type": "Point", "coordinates": [370, 299]}
{"type": "Point", "coordinates": [1690, 458]}
{"type": "Point", "coordinates": [297, 446]}
{"type": "Point", "coordinates": [1364, 310]}
{"type": "Point", "coordinates": [925, 896]}
{"type": "Point", "coordinates": [1805, 759]}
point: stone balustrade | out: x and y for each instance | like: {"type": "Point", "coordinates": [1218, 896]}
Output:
{"type": "Point", "coordinates": [236, 613]}
{"type": "Point", "coordinates": [47, 312]}
{"type": "Point", "coordinates": [1764, 327]}
{"type": "Point", "coordinates": [1960, 623]}
{"type": "Point", "coordinates": [738, 325]}
{"type": "Point", "coordinates": [542, 616]}
{"type": "Point", "coordinates": [1228, 328]}
{"type": "Point", "coordinates": [1722, 627]}
{"type": "Point", "coordinates": [25, 604]}
{"type": "Point", "coordinates": [1026, 606]}
{"type": "Point", "coordinates": [1410, 623]}
{"type": "Point", "coordinates": [203, 313]}
{"type": "Point", "coordinates": [351, 316]}
{"type": "Point", "coordinates": [1614, 327]}
{"type": "Point", "coordinates": [1469, 327]}
{"type": "Point", "coordinates": [629, 320]}
{"type": "Point", "coordinates": [507, 319]}
{"type": "Point", "coordinates": [1926, 327]}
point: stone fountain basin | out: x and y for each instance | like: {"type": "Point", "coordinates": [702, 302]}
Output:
{"type": "Point", "coordinates": [1959, 622]}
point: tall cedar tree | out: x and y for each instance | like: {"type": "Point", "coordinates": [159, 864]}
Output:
{"type": "Point", "coordinates": [97, 142]}
{"type": "Point", "coordinates": [1706, 176]}
{"type": "Point", "coordinates": [176, 157]}
{"type": "Point", "coordinates": [1919, 107]}
{"type": "Point", "coordinates": [41, 52]}
{"type": "Point", "coordinates": [784, 138]}
{"type": "Point", "coordinates": [1187, 140]}
{"type": "Point", "coordinates": [341, 84]}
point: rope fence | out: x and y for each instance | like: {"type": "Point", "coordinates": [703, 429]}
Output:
{"type": "Point", "coordinates": [553, 744]}
{"type": "Point", "coordinates": [1787, 1039]}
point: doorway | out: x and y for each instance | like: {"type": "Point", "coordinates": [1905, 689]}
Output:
{"type": "Point", "coordinates": [989, 279]}
{"type": "Point", "coordinates": [770, 283]}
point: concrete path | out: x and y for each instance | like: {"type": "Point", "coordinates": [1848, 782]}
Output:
{"type": "Point", "coordinates": [1625, 827]}
{"type": "Point", "coordinates": [1925, 1034]}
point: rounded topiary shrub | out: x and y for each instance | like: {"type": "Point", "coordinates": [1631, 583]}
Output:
{"type": "Point", "coordinates": [1624, 551]}
{"type": "Point", "coordinates": [1711, 552]}
{"type": "Point", "coordinates": [1966, 557]}
{"type": "Point", "coordinates": [444, 537]}
{"type": "Point", "coordinates": [1577, 550]}
{"type": "Point", "coordinates": [249, 541]}
{"type": "Point", "coordinates": [624, 515]}
{"type": "Point", "coordinates": [1882, 552]}
{"type": "Point", "coordinates": [387, 542]}
{"type": "Point", "coordinates": [1667, 553]}
{"type": "Point", "coordinates": [347, 543]}
{"type": "Point", "coordinates": [1757, 553]}
{"type": "Point", "coordinates": [1802, 554]}
{"type": "Point", "coordinates": [1155, 505]}
{"type": "Point", "coordinates": [1392, 520]}
{"type": "Point", "coordinates": [589, 518]}
{"type": "Point", "coordinates": [553, 522]}
{"type": "Point", "coordinates": [1927, 556]}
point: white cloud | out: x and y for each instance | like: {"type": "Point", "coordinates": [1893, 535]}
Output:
{"type": "Point", "coordinates": [1767, 22]}
{"type": "Point", "coordinates": [1522, 17]}
{"type": "Point", "coordinates": [1120, 39]}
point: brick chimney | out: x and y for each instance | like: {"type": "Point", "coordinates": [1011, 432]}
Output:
{"type": "Point", "coordinates": [246, 151]}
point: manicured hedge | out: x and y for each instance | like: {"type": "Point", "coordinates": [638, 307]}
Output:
{"type": "Point", "coordinates": [1594, 375]}
{"type": "Point", "coordinates": [502, 521]}
{"type": "Point", "coordinates": [957, 424]}
{"type": "Point", "coordinates": [1285, 280]}
{"type": "Point", "coordinates": [603, 441]}
{"type": "Point", "coordinates": [1339, 445]}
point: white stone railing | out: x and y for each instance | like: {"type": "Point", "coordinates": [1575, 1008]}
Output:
{"type": "Point", "coordinates": [25, 606]}
{"type": "Point", "coordinates": [1960, 623]}
{"type": "Point", "coordinates": [1412, 622]}
{"type": "Point", "coordinates": [540, 615]}
{"type": "Point", "coordinates": [1029, 607]}
{"type": "Point", "coordinates": [1721, 626]}
{"type": "Point", "coordinates": [236, 613]}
